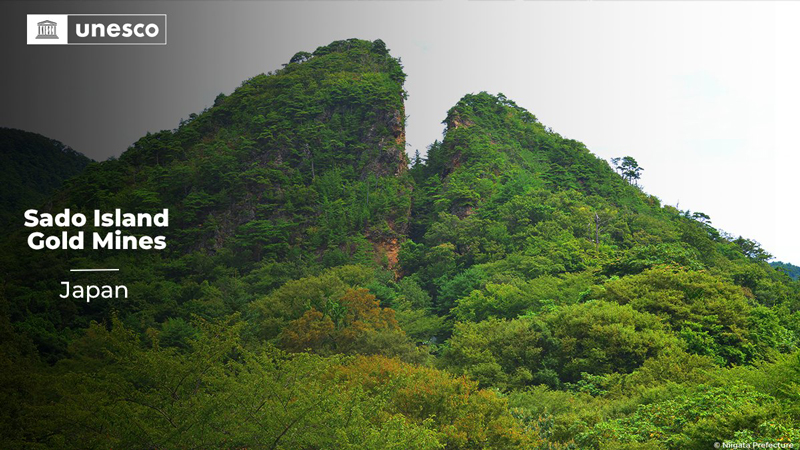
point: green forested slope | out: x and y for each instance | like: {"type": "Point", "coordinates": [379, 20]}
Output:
{"type": "Point", "coordinates": [551, 270]}
{"type": "Point", "coordinates": [510, 291]}
{"type": "Point", "coordinates": [33, 168]}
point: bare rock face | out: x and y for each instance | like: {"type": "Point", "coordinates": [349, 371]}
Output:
{"type": "Point", "coordinates": [392, 159]}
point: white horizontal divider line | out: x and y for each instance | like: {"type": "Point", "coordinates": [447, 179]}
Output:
{"type": "Point", "coordinates": [94, 270]}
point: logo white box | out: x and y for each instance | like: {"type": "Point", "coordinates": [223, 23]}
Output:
{"type": "Point", "coordinates": [47, 29]}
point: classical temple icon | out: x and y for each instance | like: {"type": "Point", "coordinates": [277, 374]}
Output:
{"type": "Point", "coordinates": [47, 30]}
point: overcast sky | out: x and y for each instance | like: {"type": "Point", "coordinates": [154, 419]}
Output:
{"type": "Point", "coordinates": [705, 95]}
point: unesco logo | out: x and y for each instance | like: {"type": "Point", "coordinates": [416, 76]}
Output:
{"type": "Point", "coordinates": [47, 30]}
{"type": "Point", "coordinates": [97, 29]}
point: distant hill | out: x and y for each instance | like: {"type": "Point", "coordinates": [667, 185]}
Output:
{"type": "Point", "coordinates": [790, 269]}
{"type": "Point", "coordinates": [33, 167]}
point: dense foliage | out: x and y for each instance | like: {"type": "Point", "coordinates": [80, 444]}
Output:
{"type": "Point", "coordinates": [511, 290]}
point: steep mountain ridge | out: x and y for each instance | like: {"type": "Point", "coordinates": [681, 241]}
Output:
{"type": "Point", "coordinates": [339, 110]}
{"type": "Point", "coordinates": [487, 136]}
{"type": "Point", "coordinates": [301, 168]}
{"type": "Point", "coordinates": [498, 162]}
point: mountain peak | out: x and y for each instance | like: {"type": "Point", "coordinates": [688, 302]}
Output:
{"type": "Point", "coordinates": [486, 109]}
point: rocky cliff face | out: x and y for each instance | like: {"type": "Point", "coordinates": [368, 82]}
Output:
{"type": "Point", "coordinates": [392, 158]}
